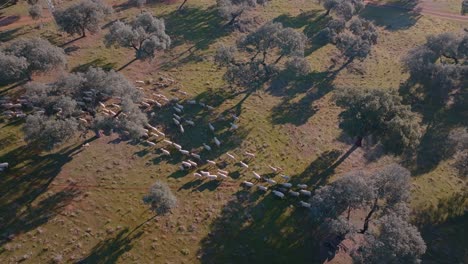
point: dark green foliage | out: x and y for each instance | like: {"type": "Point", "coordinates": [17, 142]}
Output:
{"type": "Point", "coordinates": [160, 198]}
{"type": "Point", "coordinates": [345, 9]}
{"type": "Point", "coordinates": [231, 10]}
{"type": "Point", "coordinates": [40, 55]}
{"type": "Point", "coordinates": [81, 17]}
{"type": "Point", "coordinates": [35, 11]}
{"type": "Point", "coordinates": [464, 7]}
{"type": "Point", "coordinates": [379, 113]}
{"type": "Point", "coordinates": [145, 35]}
{"type": "Point", "coordinates": [13, 68]}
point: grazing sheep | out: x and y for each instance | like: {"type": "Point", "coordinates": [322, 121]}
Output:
{"type": "Point", "coordinates": [140, 82]}
{"type": "Point", "coordinates": [181, 129]}
{"type": "Point", "coordinates": [257, 176]}
{"type": "Point", "coordinates": [224, 176]}
{"type": "Point", "coordinates": [278, 194]}
{"type": "Point", "coordinates": [302, 186]}
{"type": "Point", "coordinates": [212, 177]}
{"type": "Point", "coordinates": [185, 152]}
{"type": "Point", "coordinates": [85, 145]}
{"type": "Point", "coordinates": [230, 156]}
{"type": "Point", "coordinates": [244, 165]}
{"type": "Point", "coordinates": [4, 165]}
{"type": "Point", "coordinates": [275, 170]}
{"type": "Point", "coordinates": [286, 184]}
{"type": "Point", "coordinates": [190, 122]}
{"type": "Point", "coordinates": [182, 92]}
{"type": "Point", "coordinates": [211, 162]}
{"type": "Point", "coordinates": [248, 184]}
{"type": "Point", "coordinates": [263, 188]}
{"type": "Point", "coordinates": [177, 146]}
{"type": "Point", "coordinates": [271, 181]}
{"type": "Point", "coordinates": [145, 104]}
{"type": "Point", "coordinates": [177, 110]}
{"type": "Point", "coordinates": [236, 118]}
{"type": "Point", "coordinates": [217, 142]}
{"type": "Point", "coordinates": [223, 171]}
{"type": "Point", "coordinates": [251, 155]}
{"type": "Point", "coordinates": [293, 193]}
{"type": "Point", "coordinates": [165, 152]}
{"type": "Point", "coordinates": [211, 127]}
{"type": "Point", "coordinates": [195, 156]}
{"type": "Point", "coordinates": [168, 141]}
{"type": "Point", "coordinates": [154, 134]}
{"type": "Point", "coordinates": [306, 193]}
{"type": "Point", "coordinates": [285, 177]}
{"type": "Point", "coordinates": [176, 117]}
{"type": "Point", "coordinates": [186, 164]}
{"type": "Point", "coordinates": [304, 204]}
{"type": "Point", "coordinates": [160, 133]}
{"type": "Point", "coordinates": [204, 173]}
{"type": "Point", "coordinates": [179, 106]}
{"type": "Point", "coordinates": [102, 105]}
{"type": "Point", "coordinates": [192, 102]}
{"type": "Point", "coordinates": [176, 121]}
{"type": "Point", "coordinates": [233, 126]}
{"type": "Point", "coordinates": [198, 175]}
{"type": "Point", "coordinates": [202, 104]}
{"type": "Point", "coordinates": [209, 107]}
{"type": "Point", "coordinates": [206, 147]}
{"type": "Point", "coordinates": [158, 104]}
{"type": "Point", "coordinates": [151, 143]}
{"type": "Point", "coordinates": [193, 163]}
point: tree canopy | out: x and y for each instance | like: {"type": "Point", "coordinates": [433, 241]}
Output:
{"type": "Point", "coordinates": [379, 113]}
{"type": "Point", "coordinates": [146, 35]}
{"type": "Point", "coordinates": [13, 68]}
{"type": "Point", "coordinates": [82, 16]}
{"type": "Point", "coordinates": [344, 9]}
{"type": "Point", "coordinates": [231, 10]}
{"type": "Point", "coordinates": [40, 56]}
{"type": "Point", "coordinates": [257, 56]}
{"type": "Point", "coordinates": [160, 198]}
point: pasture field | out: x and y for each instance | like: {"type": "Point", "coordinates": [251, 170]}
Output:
{"type": "Point", "coordinates": [84, 205]}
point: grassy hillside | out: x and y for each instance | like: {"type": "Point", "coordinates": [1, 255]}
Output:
{"type": "Point", "coordinates": [85, 204]}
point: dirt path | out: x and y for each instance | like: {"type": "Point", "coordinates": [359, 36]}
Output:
{"type": "Point", "coordinates": [424, 7]}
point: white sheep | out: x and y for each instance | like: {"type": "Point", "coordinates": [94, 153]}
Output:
{"type": "Point", "coordinates": [165, 152]}
{"type": "Point", "coordinates": [193, 163]}
{"type": "Point", "coordinates": [217, 142]}
{"type": "Point", "coordinates": [230, 156]}
{"type": "Point", "coordinates": [271, 181]}
{"type": "Point", "coordinates": [202, 104]}
{"type": "Point", "coordinates": [4, 165]}
{"type": "Point", "coordinates": [190, 122]}
{"type": "Point", "coordinates": [179, 106]}
{"type": "Point", "coordinates": [209, 107]}
{"type": "Point", "coordinates": [177, 146]}
{"type": "Point", "coordinates": [102, 104]}
{"type": "Point", "coordinates": [211, 162]}
{"type": "Point", "coordinates": [233, 126]}
{"type": "Point", "coordinates": [192, 102]}
{"type": "Point", "coordinates": [221, 175]}
{"type": "Point", "coordinates": [145, 104]}
{"type": "Point", "coordinates": [181, 129]}
{"type": "Point", "coordinates": [244, 165]}
{"type": "Point", "coordinates": [204, 173]}
{"type": "Point", "coordinates": [198, 175]}
{"type": "Point", "coordinates": [160, 133]}
{"type": "Point", "coordinates": [302, 186]}
{"type": "Point", "coordinates": [195, 156]}
{"type": "Point", "coordinates": [248, 184]}
{"type": "Point", "coordinates": [176, 121]}
{"type": "Point", "coordinates": [286, 184]}
{"type": "Point", "coordinates": [186, 164]}
{"type": "Point", "coordinates": [151, 143]}
{"type": "Point", "coordinates": [293, 193]}
{"type": "Point", "coordinates": [279, 194]}
{"type": "Point", "coordinates": [275, 170]}
{"type": "Point", "coordinates": [285, 177]}
{"type": "Point", "coordinates": [263, 188]}
{"type": "Point", "coordinates": [306, 193]}
{"type": "Point", "coordinates": [251, 155]}
{"type": "Point", "coordinates": [140, 82]}
{"type": "Point", "coordinates": [176, 116]}
{"type": "Point", "coordinates": [223, 171]}
{"type": "Point", "coordinates": [85, 145]}
{"type": "Point", "coordinates": [168, 141]}
{"type": "Point", "coordinates": [212, 177]}
{"type": "Point", "coordinates": [211, 127]}
{"type": "Point", "coordinates": [177, 110]}
{"type": "Point", "coordinates": [304, 204]}
{"type": "Point", "coordinates": [206, 147]}
{"type": "Point", "coordinates": [257, 176]}
{"type": "Point", "coordinates": [236, 118]}
{"type": "Point", "coordinates": [185, 152]}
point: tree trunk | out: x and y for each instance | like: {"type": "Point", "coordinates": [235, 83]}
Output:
{"type": "Point", "coordinates": [358, 142]}
{"type": "Point", "coordinates": [349, 213]}
{"type": "Point", "coordinates": [182, 5]}
{"type": "Point", "coordinates": [328, 12]}
{"type": "Point", "coordinates": [278, 59]}
{"type": "Point", "coordinates": [83, 32]}
{"type": "Point", "coordinates": [233, 19]}
{"type": "Point", "coordinates": [368, 217]}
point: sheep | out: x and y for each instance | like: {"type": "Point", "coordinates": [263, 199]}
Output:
{"type": "Point", "coordinates": [211, 127]}
{"type": "Point", "coordinates": [235, 117]}
{"type": "Point", "coordinates": [182, 92]}
{"type": "Point", "coordinates": [154, 134]}
{"type": "Point", "coordinates": [251, 155]}
{"type": "Point", "coordinates": [293, 193]}
{"type": "Point", "coordinates": [145, 104]}
{"type": "Point", "coordinates": [4, 165]}
{"type": "Point", "coordinates": [248, 184]}
{"type": "Point", "coordinates": [158, 104]}
{"type": "Point", "coordinates": [176, 121]}
{"type": "Point", "coordinates": [140, 82]}
{"type": "Point", "coordinates": [195, 156]}
{"type": "Point", "coordinates": [194, 164]}
{"type": "Point", "coordinates": [211, 162]}
{"type": "Point", "coordinates": [204, 173]}
{"type": "Point", "coordinates": [198, 175]}
{"type": "Point", "coordinates": [185, 152]}
{"type": "Point", "coordinates": [206, 147]}
{"type": "Point", "coordinates": [306, 193]}
{"type": "Point", "coordinates": [244, 165]}
{"type": "Point", "coordinates": [278, 194]}
{"type": "Point", "coordinates": [192, 102]}
{"type": "Point", "coordinates": [176, 117]}
{"type": "Point", "coordinates": [223, 171]}
{"type": "Point", "coordinates": [116, 106]}
{"type": "Point", "coordinates": [160, 133]}
{"type": "Point", "coordinates": [20, 115]}
{"type": "Point", "coordinates": [209, 107]}
{"type": "Point", "coordinates": [285, 177]}
{"type": "Point", "coordinates": [181, 129]}
{"type": "Point", "coordinates": [190, 122]}
{"type": "Point", "coordinates": [212, 177]}
{"type": "Point", "coordinates": [275, 170]}
{"type": "Point", "coordinates": [302, 186]}
{"type": "Point", "coordinates": [186, 164]}
{"type": "Point", "coordinates": [224, 176]}
{"type": "Point", "coordinates": [150, 143]}
{"type": "Point", "coordinates": [201, 104]}
{"type": "Point", "coordinates": [217, 142]}
{"type": "Point", "coordinates": [177, 146]}
{"type": "Point", "coordinates": [168, 141]}
{"type": "Point", "coordinates": [7, 105]}
{"type": "Point", "coordinates": [233, 126]}
{"type": "Point", "coordinates": [112, 112]}
{"type": "Point", "coordinates": [263, 188]}
{"type": "Point", "coordinates": [179, 106]}
{"type": "Point", "coordinates": [286, 184]}
{"type": "Point", "coordinates": [230, 156]}
{"type": "Point", "coordinates": [257, 176]}
{"type": "Point", "coordinates": [271, 181]}
{"type": "Point", "coordinates": [177, 110]}
{"type": "Point", "coordinates": [304, 204]}
{"type": "Point", "coordinates": [165, 152]}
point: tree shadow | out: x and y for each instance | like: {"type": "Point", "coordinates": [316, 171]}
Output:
{"type": "Point", "coordinates": [254, 228]}
{"type": "Point", "coordinates": [299, 21]}
{"type": "Point", "coordinates": [97, 63]}
{"type": "Point", "coordinates": [109, 250]}
{"type": "Point", "coordinates": [312, 87]}
{"type": "Point", "coordinates": [8, 20]}
{"type": "Point", "coordinates": [28, 177]}
{"type": "Point", "coordinates": [11, 34]}
{"type": "Point", "coordinates": [398, 16]}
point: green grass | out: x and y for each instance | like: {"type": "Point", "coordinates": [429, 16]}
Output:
{"type": "Point", "coordinates": [292, 125]}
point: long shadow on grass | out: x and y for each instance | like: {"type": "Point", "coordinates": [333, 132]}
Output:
{"type": "Point", "coordinates": [11, 34]}
{"type": "Point", "coordinates": [400, 15]}
{"type": "Point", "coordinates": [255, 228]}
{"type": "Point", "coordinates": [109, 250]}
{"type": "Point", "coordinates": [29, 177]}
